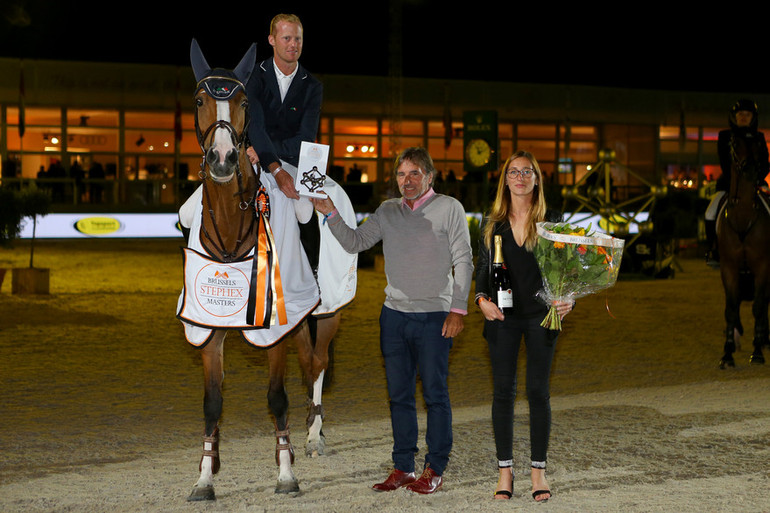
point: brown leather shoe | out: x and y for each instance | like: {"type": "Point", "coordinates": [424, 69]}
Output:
{"type": "Point", "coordinates": [428, 482]}
{"type": "Point", "coordinates": [396, 479]}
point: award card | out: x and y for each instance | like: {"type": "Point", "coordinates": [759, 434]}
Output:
{"type": "Point", "coordinates": [311, 172]}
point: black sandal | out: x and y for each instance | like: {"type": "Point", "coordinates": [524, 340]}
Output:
{"type": "Point", "coordinates": [505, 494]}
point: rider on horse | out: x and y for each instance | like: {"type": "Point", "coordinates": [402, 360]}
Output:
{"type": "Point", "coordinates": [741, 146]}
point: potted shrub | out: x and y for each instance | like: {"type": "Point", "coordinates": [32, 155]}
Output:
{"type": "Point", "coordinates": [29, 202]}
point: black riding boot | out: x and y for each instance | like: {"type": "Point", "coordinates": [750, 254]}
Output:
{"type": "Point", "coordinates": [310, 237]}
{"type": "Point", "coordinates": [712, 254]}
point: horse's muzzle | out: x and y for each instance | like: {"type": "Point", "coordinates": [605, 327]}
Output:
{"type": "Point", "coordinates": [222, 171]}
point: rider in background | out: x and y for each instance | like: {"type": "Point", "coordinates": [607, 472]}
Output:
{"type": "Point", "coordinates": [741, 146]}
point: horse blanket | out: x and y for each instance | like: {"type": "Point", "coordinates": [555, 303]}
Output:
{"type": "Point", "coordinates": [215, 294]}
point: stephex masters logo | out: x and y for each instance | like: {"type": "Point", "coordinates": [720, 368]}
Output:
{"type": "Point", "coordinates": [221, 290]}
{"type": "Point", "coordinates": [98, 225]}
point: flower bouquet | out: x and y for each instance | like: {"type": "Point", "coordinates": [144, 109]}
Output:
{"type": "Point", "coordinates": [574, 263]}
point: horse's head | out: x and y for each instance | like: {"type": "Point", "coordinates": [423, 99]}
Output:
{"type": "Point", "coordinates": [221, 112]}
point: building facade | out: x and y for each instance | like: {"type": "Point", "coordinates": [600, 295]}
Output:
{"type": "Point", "coordinates": [123, 135]}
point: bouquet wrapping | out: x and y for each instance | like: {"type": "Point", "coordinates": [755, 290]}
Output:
{"type": "Point", "coordinates": [574, 263]}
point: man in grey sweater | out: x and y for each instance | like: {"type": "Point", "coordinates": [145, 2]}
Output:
{"type": "Point", "coordinates": [428, 265]}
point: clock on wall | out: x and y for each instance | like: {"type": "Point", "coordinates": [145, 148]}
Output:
{"type": "Point", "coordinates": [478, 152]}
{"type": "Point", "coordinates": [479, 142]}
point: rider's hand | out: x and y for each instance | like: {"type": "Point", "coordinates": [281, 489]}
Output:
{"type": "Point", "coordinates": [285, 183]}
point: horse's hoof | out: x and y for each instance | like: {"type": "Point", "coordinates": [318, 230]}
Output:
{"type": "Point", "coordinates": [287, 487]}
{"type": "Point", "coordinates": [316, 448]}
{"type": "Point", "coordinates": [726, 362]}
{"type": "Point", "coordinates": [202, 493]}
{"type": "Point", "coordinates": [757, 359]}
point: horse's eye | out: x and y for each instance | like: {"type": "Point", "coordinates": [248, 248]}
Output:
{"type": "Point", "coordinates": [245, 104]}
{"type": "Point", "coordinates": [198, 102]}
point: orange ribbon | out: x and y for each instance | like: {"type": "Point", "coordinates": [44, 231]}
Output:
{"type": "Point", "coordinates": [268, 294]}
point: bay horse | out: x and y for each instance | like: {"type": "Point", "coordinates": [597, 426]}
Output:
{"type": "Point", "coordinates": [233, 233]}
{"type": "Point", "coordinates": [743, 237]}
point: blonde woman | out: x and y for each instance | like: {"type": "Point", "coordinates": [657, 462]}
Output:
{"type": "Point", "coordinates": [519, 205]}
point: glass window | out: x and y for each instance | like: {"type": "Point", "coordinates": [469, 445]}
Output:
{"type": "Point", "coordinates": [439, 151]}
{"type": "Point", "coordinates": [136, 119]}
{"type": "Point", "coordinates": [578, 132]}
{"type": "Point", "coordinates": [438, 128]}
{"type": "Point", "coordinates": [324, 126]}
{"type": "Point", "coordinates": [407, 142]}
{"type": "Point", "coordinates": [188, 144]}
{"type": "Point", "coordinates": [84, 139]}
{"type": "Point", "coordinates": [711, 134]}
{"type": "Point", "coordinates": [526, 131]}
{"type": "Point", "coordinates": [580, 151]}
{"type": "Point", "coordinates": [355, 146]}
{"type": "Point", "coordinates": [668, 133]}
{"type": "Point", "coordinates": [93, 118]}
{"type": "Point", "coordinates": [406, 127]}
{"type": "Point", "coordinates": [151, 141]}
{"type": "Point", "coordinates": [412, 128]}
{"type": "Point", "coordinates": [355, 126]}
{"type": "Point", "coordinates": [542, 150]}
{"type": "Point", "coordinates": [35, 116]}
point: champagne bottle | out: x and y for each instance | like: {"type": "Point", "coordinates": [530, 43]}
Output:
{"type": "Point", "coordinates": [500, 281]}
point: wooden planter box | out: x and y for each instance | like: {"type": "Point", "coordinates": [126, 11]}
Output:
{"type": "Point", "coordinates": [30, 280]}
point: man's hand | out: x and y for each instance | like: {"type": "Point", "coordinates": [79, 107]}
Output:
{"type": "Point", "coordinates": [285, 183]}
{"type": "Point", "coordinates": [453, 325]}
{"type": "Point", "coordinates": [252, 154]}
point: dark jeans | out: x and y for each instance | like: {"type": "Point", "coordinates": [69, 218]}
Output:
{"type": "Point", "coordinates": [504, 338]}
{"type": "Point", "coordinates": [412, 341]}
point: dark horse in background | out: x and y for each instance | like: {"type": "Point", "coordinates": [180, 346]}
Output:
{"type": "Point", "coordinates": [233, 208]}
{"type": "Point", "coordinates": [743, 235]}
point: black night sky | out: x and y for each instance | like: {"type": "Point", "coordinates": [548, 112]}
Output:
{"type": "Point", "coordinates": [641, 47]}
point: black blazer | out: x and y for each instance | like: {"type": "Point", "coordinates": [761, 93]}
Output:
{"type": "Point", "coordinates": [276, 128]}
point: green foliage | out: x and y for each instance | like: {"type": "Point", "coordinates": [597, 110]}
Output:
{"type": "Point", "coordinates": [10, 216]}
{"type": "Point", "coordinates": [33, 202]}
{"type": "Point", "coordinates": [16, 205]}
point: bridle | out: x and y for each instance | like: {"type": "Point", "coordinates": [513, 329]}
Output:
{"type": "Point", "coordinates": [222, 88]}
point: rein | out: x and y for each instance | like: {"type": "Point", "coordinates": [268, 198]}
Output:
{"type": "Point", "coordinates": [734, 199]}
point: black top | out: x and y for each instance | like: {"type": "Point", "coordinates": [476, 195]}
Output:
{"type": "Point", "coordinates": [522, 269]}
{"type": "Point", "coordinates": [742, 147]}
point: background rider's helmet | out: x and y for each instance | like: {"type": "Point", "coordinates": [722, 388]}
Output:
{"type": "Point", "coordinates": [744, 104]}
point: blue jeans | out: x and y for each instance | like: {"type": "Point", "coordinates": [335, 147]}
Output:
{"type": "Point", "coordinates": [412, 341]}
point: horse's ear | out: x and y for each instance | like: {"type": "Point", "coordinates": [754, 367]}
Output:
{"type": "Point", "coordinates": [246, 66]}
{"type": "Point", "coordinates": [200, 67]}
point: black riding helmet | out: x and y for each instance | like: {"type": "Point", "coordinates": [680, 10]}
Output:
{"type": "Point", "coordinates": [748, 105]}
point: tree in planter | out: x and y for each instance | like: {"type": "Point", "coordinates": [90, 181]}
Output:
{"type": "Point", "coordinates": [33, 202]}
{"type": "Point", "coordinates": [14, 207]}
